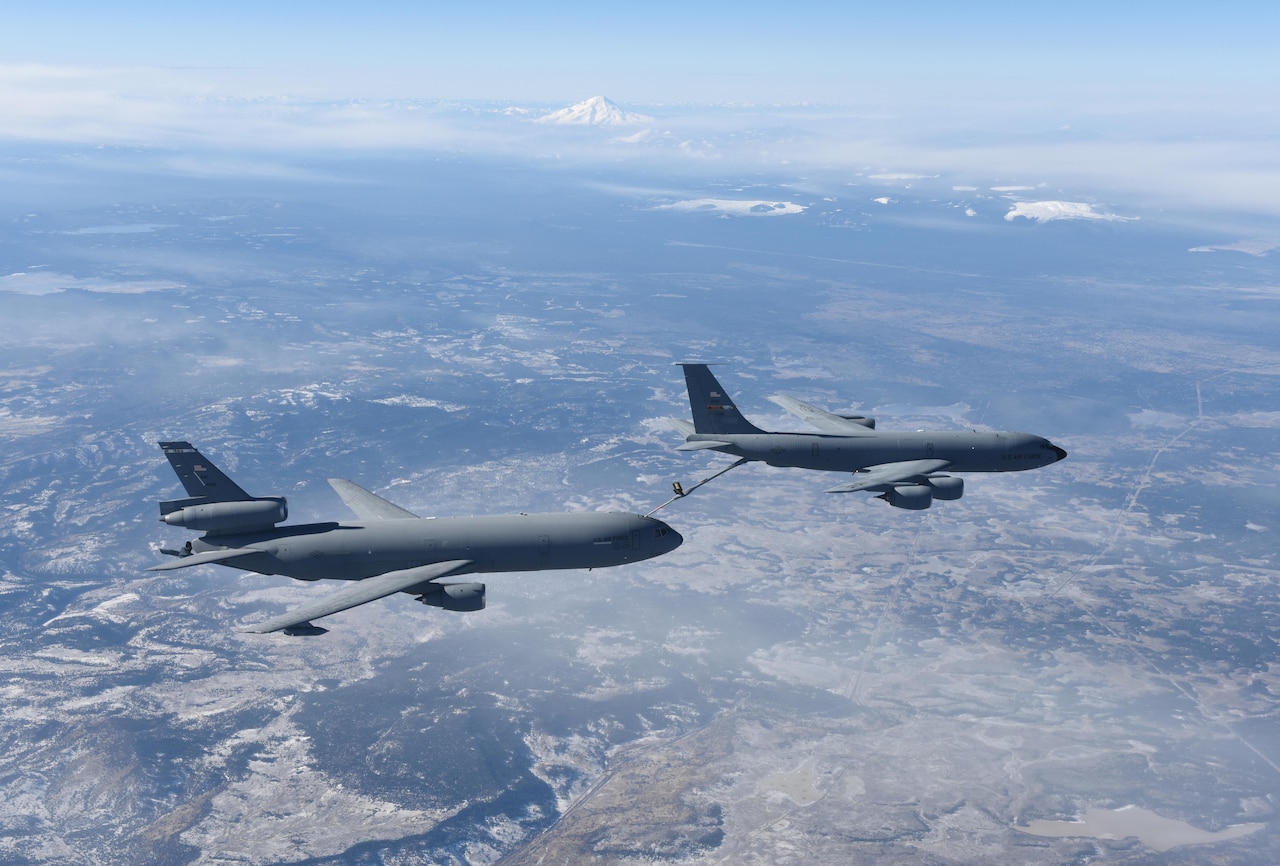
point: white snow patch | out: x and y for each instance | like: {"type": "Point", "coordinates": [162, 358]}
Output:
{"type": "Point", "coordinates": [1151, 418]}
{"type": "Point", "coordinates": [635, 137]}
{"type": "Point", "coordinates": [1046, 211]}
{"type": "Point", "coordinates": [48, 282]}
{"type": "Point", "coordinates": [1254, 419]}
{"type": "Point", "coordinates": [1254, 247]}
{"type": "Point", "coordinates": [413, 402]}
{"type": "Point", "coordinates": [735, 208]}
{"type": "Point", "coordinates": [130, 229]}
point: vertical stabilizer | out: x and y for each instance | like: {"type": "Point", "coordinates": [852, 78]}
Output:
{"type": "Point", "coordinates": [200, 477]}
{"type": "Point", "coordinates": [713, 409]}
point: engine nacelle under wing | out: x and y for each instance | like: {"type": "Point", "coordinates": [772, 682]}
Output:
{"type": "Point", "coordinates": [869, 423]}
{"type": "Point", "coordinates": [455, 596]}
{"type": "Point", "coordinates": [946, 487]}
{"type": "Point", "coordinates": [225, 517]}
{"type": "Point", "coordinates": [913, 497]}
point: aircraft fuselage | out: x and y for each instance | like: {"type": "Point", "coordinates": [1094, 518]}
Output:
{"type": "Point", "coordinates": [517, 542]}
{"type": "Point", "coordinates": [966, 451]}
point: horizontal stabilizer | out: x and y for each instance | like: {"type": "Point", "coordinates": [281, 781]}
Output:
{"type": "Point", "coordinates": [358, 593]}
{"type": "Point", "coordinates": [702, 445]}
{"type": "Point", "coordinates": [367, 505]}
{"type": "Point", "coordinates": [685, 428]}
{"type": "Point", "coordinates": [888, 474]}
{"type": "Point", "coordinates": [205, 558]}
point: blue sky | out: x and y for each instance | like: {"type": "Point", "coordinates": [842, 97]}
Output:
{"type": "Point", "coordinates": [663, 52]}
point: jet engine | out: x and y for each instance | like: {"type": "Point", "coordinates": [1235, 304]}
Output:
{"type": "Point", "coordinates": [946, 487]}
{"type": "Point", "coordinates": [869, 423]}
{"type": "Point", "coordinates": [455, 596]}
{"type": "Point", "coordinates": [913, 497]}
{"type": "Point", "coordinates": [224, 517]}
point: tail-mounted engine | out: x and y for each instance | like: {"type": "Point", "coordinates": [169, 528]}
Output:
{"type": "Point", "coordinates": [216, 518]}
{"type": "Point", "coordinates": [455, 596]}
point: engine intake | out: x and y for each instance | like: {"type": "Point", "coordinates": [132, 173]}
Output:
{"type": "Point", "coordinates": [455, 596]}
{"type": "Point", "coordinates": [946, 487]}
{"type": "Point", "coordinates": [865, 421]}
{"type": "Point", "coordinates": [913, 497]}
{"type": "Point", "coordinates": [226, 517]}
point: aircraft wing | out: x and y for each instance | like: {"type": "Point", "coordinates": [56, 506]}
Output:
{"type": "Point", "coordinates": [825, 421]}
{"type": "Point", "coordinates": [205, 558]}
{"type": "Point", "coordinates": [888, 474]}
{"type": "Point", "coordinates": [366, 505]}
{"type": "Point", "coordinates": [361, 592]}
{"type": "Point", "coordinates": [702, 445]}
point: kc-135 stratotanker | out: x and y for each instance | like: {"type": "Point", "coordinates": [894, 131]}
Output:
{"type": "Point", "coordinates": [388, 549]}
{"type": "Point", "coordinates": [908, 470]}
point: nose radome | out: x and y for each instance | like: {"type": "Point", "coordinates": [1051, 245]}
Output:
{"type": "Point", "coordinates": [1062, 454]}
{"type": "Point", "coordinates": [667, 538]}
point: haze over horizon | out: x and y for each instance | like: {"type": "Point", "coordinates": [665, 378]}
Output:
{"type": "Point", "coordinates": [1170, 105]}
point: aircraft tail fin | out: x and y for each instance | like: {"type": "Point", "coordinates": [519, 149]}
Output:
{"type": "Point", "coordinates": [713, 409]}
{"type": "Point", "coordinates": [199, 476]}
{"type": "Point", "coordinates": [215, 505]}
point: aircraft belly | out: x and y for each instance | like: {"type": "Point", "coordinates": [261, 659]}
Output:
{"type": "Point", "coordinates": [264, 563]}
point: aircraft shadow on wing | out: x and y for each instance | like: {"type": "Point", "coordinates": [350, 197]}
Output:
{"type": "Point", "coordinates": [907, 470]}
{"type": "Point", "coordinates": [387, 549]}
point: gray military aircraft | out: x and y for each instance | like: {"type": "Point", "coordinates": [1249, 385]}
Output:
{"type": "Point", "coordinates": [389, 549]}
{"type": "Point", "coordinates": [906, 469]}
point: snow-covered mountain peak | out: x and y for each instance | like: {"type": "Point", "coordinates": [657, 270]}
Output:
{"type": "Point", "coordinates": [596, 111]}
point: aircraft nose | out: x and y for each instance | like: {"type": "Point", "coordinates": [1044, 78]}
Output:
{"type": "Point", "coordinates": [668, 539]}
{"type": "Point", "coordinates": [1062, 454]}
